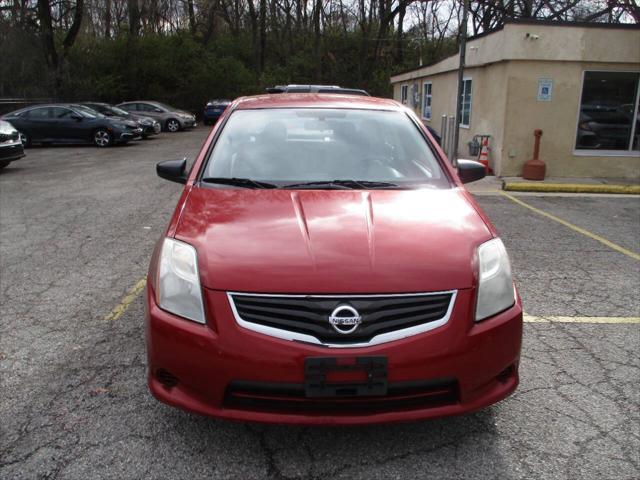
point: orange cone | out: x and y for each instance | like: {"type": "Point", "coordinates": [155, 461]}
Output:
{"type": "Point", "coordinates": [484, 154]}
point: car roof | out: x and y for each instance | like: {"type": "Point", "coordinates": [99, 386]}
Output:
{"type": "Point", "coordinates": [43, 105]}
{"type": "Point", "coordinates": [316, 100]}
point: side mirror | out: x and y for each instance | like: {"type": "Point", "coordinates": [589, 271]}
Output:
{"type": "Point", "coordinates": [173, 170]}
{"type": "Point", "coordinates": [470, 170]}
{"type": "Point", "coordinates": [157, 110]}
{"type": "Point", "coordinates": [77, 118]}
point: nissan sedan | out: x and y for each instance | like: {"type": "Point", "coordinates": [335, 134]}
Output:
{"type": "Point", "coordinates": [326, 265]}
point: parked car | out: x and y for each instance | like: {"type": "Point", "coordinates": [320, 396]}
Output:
{"type": "Point", "coordinates": [11, 148]}
{"type": "Point", "coordinates": [317, 89]}
{"type": "Point", "coordinates": [213, 110]}
{"type": "Point", "coordinates": [148, 125]}
{"type": "Point", "coordinates": [70, 123]}
{"type": "Point", "coordinates": [171, 119]}
{"type": "Point", "coordinates": [325, 265]}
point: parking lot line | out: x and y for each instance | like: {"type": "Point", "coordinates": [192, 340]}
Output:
{"type": "Point", "coordinates": [573, 227]}
{"type": "Point", "coordinates": [119, 309]}
{"type": "Point", "coordinates": [560, 319]}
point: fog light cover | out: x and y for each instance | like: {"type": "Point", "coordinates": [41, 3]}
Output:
{"type": "Point", "coordinates": [179, 289]}
{"type": "Point", "coordinates": [495, 284]}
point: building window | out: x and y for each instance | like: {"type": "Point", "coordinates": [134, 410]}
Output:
{"type": "Point", "coordinates": [608, 118]}
{"type": "Point", "coordinates": [404, 90]}
{"type": "Point", "coordinates": [465, 119]}
{"type": "Point", "coordinates": [426, 100]}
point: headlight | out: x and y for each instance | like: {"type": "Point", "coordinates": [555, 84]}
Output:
{"type": "Point", "coordinates": [179, 282]}
{"type": "Point", "coordinates": [495, 284]}
{"type": "Point", "coordinates": [120, 125]}
{"type": "Point", "coordinates": [146, 122]}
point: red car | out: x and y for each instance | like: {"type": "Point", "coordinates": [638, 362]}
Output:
{"type": "Point", "coordinates": [325, 265]}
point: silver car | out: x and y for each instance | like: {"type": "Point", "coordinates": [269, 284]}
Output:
{"type": "Point", "coordinates": [171, 119]}
{"type": "Point", "coordinates": [11, 148]}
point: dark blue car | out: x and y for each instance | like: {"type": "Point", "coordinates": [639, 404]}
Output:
{"type": "Point", "coordinates": [213, 109]}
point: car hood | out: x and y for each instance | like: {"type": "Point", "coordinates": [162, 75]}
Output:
{"type": "Point", "coordinates": [332, 241]}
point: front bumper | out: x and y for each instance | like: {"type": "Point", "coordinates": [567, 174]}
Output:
{"type": "Point", "coordinates": [204, 361]}
{"type": "Point", "coordinates": [10, 151]}
{"type": "Point", "coordinates": [188, 123]}
{"type": "Point", "coordinates": [151, 129]}
{"type": "Point", "coordinates": [130, 134]}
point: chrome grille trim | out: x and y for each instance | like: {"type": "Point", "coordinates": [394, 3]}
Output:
{"type": "Point", "coordinates": [377, 340]}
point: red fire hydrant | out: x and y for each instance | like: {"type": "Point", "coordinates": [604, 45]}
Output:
{"type": "Point", "coordinates": [535, 168]}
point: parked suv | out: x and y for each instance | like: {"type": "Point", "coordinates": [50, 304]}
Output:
{"type": "Point", "coordinates": [213, 110]}
{"type": "Point", "coordinates": [171, 119]}
{"type": "Point", "coordinates": [71, 123]}
{"type": "Point", "coordinates": [148, 125]}
{"type": "Point", "coordinates": [326, 265]}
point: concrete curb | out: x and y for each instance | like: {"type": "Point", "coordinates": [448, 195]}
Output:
{"type": "Point", "coordinates": [570, 188]}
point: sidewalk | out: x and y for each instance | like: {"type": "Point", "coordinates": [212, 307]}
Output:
{"type": "Point", "coordinates": [572, 185]}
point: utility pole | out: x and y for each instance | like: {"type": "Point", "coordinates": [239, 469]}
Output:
{"type": "Point", "coordinates": [463, 51]}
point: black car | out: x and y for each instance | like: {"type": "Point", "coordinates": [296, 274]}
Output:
{"type": "Point", "coordinates": [149, 125]}
{"type": "Point", "coordinates": [11, 148]}
{"type": "Point", "coordinates": [70, 123]}
{"type": "Point", "coordinates": [213, 109]}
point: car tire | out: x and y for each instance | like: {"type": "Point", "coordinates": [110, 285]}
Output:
{"type": "Point", "coordinates": [25, 139]}
{"type": "Point", "coordinates": [173, 125]}
{"type": "Point", "coordinates": [4, 163]}
{"type": "Point", "coordinates": [102, 138]}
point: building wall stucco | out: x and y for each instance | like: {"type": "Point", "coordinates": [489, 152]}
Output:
{"type": "Point", "coordinates": [505, 104]}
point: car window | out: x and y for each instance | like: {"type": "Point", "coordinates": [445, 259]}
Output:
{"type": "Point", "coordinates": [60, 112]}
{"type": "Point", "coordinates": [145, 107]}
{"type": "Point", "coordinates": [37, 113]}
{"type": "Point", "coordinates": [284, 146]}
{"type": "Point", "coordinates": [131, 107]}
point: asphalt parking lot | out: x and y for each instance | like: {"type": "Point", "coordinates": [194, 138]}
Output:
{"type": "Point", "coordinates": [77, 226]}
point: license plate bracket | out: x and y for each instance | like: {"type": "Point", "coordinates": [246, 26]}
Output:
{"type": "Point", "coordinates": [318, 369]}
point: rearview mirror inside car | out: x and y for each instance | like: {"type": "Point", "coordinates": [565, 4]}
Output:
{"type": "Point", "coordinates": [470, 170]}
{"type": "Point", "coordinates": [173, 170]}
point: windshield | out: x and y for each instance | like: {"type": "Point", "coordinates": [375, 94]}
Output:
{"type": "Point", "coordinates": [292, 146]}
{"type": "Point", "coordinates": [88, 112]}
{"type": "Point", "coordinates": [119, 111]}
{"type": "Point", "coordinates": [164, 106]}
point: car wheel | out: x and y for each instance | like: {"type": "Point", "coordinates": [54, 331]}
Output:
{"type": "Point", "coordinates": [173, 125]}
{"type": "Point", "coordinates": [4, 163]}
{"type": "Point", "coordinates": [102, 138]}
{"type": "Point", "coordinates": [25, 139]}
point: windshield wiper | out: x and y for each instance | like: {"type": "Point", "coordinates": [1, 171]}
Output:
{"type": "Point", "coordinates": [239, 182]}
{"type": "Point", "coordinates": [343, 184]}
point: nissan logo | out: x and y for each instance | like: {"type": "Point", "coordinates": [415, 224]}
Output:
{"type": "Point", "coordinates": [345, 319]}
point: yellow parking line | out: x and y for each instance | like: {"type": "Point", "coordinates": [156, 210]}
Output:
{"type": "Point", "coordinates": [575, 228]}
{"type": "Point", "coordinates": [557, 319]}
{"type": "Point", "coordinates": [119, 309]}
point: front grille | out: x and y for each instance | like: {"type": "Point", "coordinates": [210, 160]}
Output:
{"type": "Point", "coordinates": [309, 315]}
{"type": "Point", "coordinates": [290, 398]}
